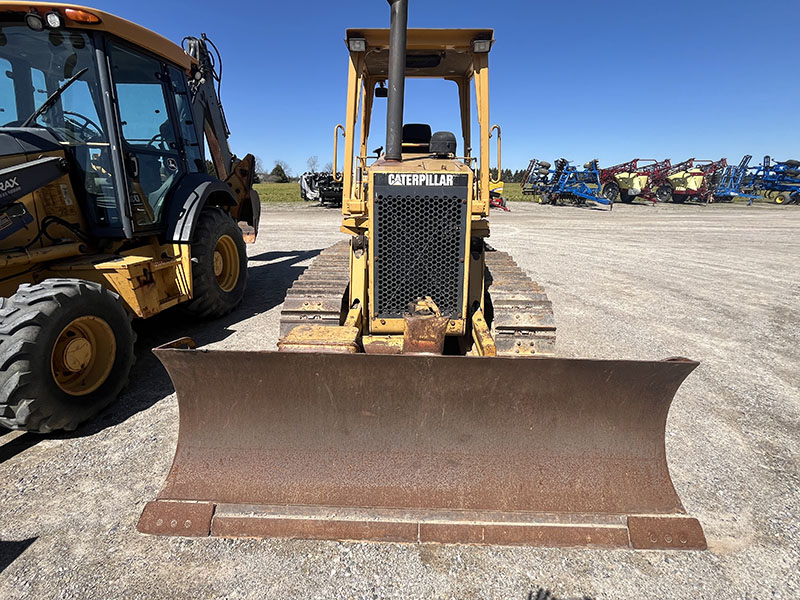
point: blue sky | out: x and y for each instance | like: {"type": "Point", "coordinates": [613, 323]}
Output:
{"type": "Point", "coordinates": [582, 79]}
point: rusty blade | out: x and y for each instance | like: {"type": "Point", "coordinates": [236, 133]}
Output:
{"type": "Point", "coordinates": [429, 434]}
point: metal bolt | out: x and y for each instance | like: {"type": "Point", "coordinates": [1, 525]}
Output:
{"type": "Point", "coordinates": [187, 523]}
{"type": "Point", "coordinates": [159, 523]}
{"type": "Point", "coordinates": [173, 523]}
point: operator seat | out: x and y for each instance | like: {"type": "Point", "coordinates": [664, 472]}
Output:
{"type": "Point", "coordinates": [417, 138]}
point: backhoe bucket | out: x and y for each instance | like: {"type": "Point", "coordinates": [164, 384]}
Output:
{"type": "Point", "coordinates": [547, 452]}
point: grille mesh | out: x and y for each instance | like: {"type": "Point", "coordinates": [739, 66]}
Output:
{"type": "Point", "coordinates": [419, 246]}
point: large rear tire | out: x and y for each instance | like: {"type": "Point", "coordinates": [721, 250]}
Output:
{"type": "Point", "coordinates": [66, 350]}
{"type": "Point", "coordinates": [219, 265]}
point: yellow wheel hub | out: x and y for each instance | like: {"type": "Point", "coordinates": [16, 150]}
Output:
{"type": "Point", "coordinates": [83, 355]}
{"type": "Point", "coordinates": [226, 263]}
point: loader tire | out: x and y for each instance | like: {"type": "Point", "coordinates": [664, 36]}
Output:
{"type": "Point", "coordinates": [219, 265]}
{"type": "Point", "coordinates": [679, 198]}
{"type": "Point", "coordinates": [66, 350]}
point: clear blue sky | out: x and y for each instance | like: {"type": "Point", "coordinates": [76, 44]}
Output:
{"type": "Point", "coordinates": [582, 79]}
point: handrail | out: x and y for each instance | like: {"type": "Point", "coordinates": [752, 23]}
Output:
{"type": "Point", "coordinates": [336, 153]}
{"type": "Point", "coordinates": [499, 154]}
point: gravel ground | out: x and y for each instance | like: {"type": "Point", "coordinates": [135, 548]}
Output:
{"type": "Point", "coordinates": [720, 284]}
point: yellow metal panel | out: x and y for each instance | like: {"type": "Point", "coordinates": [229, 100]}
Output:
{"type": "Point", "coordinates": [321, 338]}
{"type": "Point", "coordinates": [149, 279]}
{"type": "Point", "coordinates": [482, 335]}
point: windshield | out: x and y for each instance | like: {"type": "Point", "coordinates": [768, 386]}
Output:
{"type": "Point", "coordinates": [33, 65]}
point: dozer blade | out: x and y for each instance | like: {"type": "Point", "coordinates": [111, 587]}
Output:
{"type": "Point", "coordinates": [549, 452]}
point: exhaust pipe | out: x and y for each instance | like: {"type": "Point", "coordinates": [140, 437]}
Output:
{"type": "Point", "coordinates": [397, 79]}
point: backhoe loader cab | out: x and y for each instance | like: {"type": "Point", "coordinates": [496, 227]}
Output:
{"type": "Point", "coordinates": [414, 396]}
{"type": "Point", "coordinates": [106, 208]}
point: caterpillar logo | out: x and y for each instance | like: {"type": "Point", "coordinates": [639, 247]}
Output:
{"type": "Point", "coordinates": [422, 179]}
{"type": "Point", "coordinates": [9, 185]}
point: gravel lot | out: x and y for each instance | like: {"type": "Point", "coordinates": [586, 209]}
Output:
{"type": "Point", "coordinates": [720, 284]}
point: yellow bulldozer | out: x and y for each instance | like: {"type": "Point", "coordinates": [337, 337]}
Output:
{"type": "Point", "coordinates": [415, 396]}
{"type": "Point", "coordinates": [107, 211]}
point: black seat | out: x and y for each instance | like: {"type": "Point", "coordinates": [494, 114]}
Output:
{"type": "Point", "coordinates": [417, 138]}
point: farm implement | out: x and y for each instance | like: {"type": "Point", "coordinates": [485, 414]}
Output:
{"type": "Point", "coordinates": [564, 182]}
{"type": "Point", "coordinates": [733, 180]}
{"type": "Point", "coordinates": [778, 181]}
{"type": "Point", "coordinates": [324, 188]}
{"type": "Point", "coordinates": [626, 181]}
{"type": "Point", "coordinates": [697, 182]}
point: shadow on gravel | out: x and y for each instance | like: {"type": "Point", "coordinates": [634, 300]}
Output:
{"type": "Point", "coordinates": [18, 445]}
{"type": "Point", "coordinates": [11, 551]}
{"type": "Point", "coordinates": [266, 288]}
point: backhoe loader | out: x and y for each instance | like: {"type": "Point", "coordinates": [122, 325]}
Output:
{"type": "Point", "coordinates": [106, 209]}
{"type": "Point", "coordinates": [415, 396]}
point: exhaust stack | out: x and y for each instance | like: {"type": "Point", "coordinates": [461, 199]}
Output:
{"type": "Point", "coordinates": [397, 79]}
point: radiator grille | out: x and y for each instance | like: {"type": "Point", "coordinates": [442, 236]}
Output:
{"type": "Point", "coordinates": [419, 242]}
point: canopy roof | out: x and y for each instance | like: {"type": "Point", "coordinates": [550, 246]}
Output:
{"type": "Point", "coordinates": [122, 28]}
{"type": "Point", "coordinates": [435, 53]}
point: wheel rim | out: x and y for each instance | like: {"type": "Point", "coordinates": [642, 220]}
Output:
{"type": "Point", "coordinates": [83, 355]}
{"type": "Point", "coordinates": [226, 263]}
{"type": "Point", "coordinates": [780, 199]}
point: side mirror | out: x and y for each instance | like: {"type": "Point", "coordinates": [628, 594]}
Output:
{"type": "Point", "coordinates": [381, 92]}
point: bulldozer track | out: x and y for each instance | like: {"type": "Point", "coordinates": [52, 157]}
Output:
{"type": "Point", "coordinates": [521, 314]}
{"type": "Point", "coordinates": [316, 297]}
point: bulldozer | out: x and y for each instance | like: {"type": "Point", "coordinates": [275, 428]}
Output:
{"type": "Point", "coordinates": [415, 395]}
{"type": "Point", "coordinates": [107, 209]}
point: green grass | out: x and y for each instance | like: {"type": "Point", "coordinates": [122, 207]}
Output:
{"type": "Point", "coordinates": [278, 192]}
{"type": "Point", "coordinates": [513, 192]}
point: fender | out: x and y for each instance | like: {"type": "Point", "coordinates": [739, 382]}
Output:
{"type": "Point", "coordinates": [188, 199]}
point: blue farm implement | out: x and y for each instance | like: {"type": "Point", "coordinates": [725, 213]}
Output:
{"type": "Point", "coordinates": [733, 180]}
{"type": "Point", "coordinates": [778, 181]}
{"type": "Point", "coordinates": [564, 182]}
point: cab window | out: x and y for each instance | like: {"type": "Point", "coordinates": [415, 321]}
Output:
{"type": "Point", "coordinates": [8, 101]}
{"type": "Point", "coordinates": [188, 133]}
{"type": "Point", "coordinates": [153, 161]}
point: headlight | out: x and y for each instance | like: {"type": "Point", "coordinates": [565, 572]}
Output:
{"type": "Point", "coordinates": [34, 21]}
{"type": "Point", "coordinates": [357, 44]}
{"type": "Point", "coordinates": [54, 20]}
{"type": "Point", "coordinates": [481, 46]}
